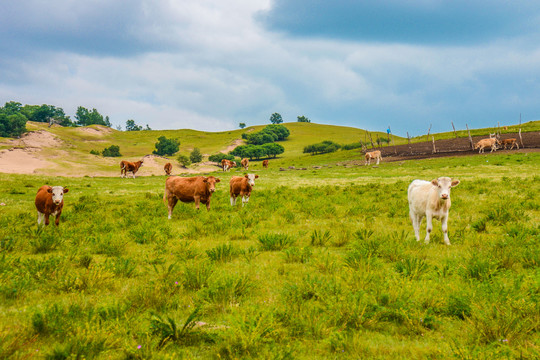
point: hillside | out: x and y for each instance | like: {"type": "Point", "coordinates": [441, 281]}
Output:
{"type": "Point", "coordinates": [66, 151]}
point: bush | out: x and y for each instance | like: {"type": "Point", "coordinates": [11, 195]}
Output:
{"type": "Point", "coordinates": [183, 160]}
{"type": "Point", "coordinates": [196, 156]}
{"type": "Point", "coordinates": [322, 147]}
{"type": "Point", "coordinates": [95, 152]}
{"type": "Point", "coordinates": [166, 146]}
{"type": "Point", "coordinates": [351, 146]}
{"type": "Point", "coordinates": [269, 134]}
{"type": "Point", "coordinates": [111, 151]}
{"type": "Point", "coordinates": [218, 157]}
{"type": "Point", "coordinates": [258, 151]}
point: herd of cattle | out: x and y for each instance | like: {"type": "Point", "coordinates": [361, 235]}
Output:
{"type": "Point", "coordinates": [426, 199]}
{"type": "Point", "coordinates": [430, 199]}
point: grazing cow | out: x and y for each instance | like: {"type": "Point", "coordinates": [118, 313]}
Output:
{"type": "Point", "coordinates": [265, 164]}
{"type": "Point", "coordinates": [198, 189]}
{"type": "Point", "coordinates": [484, 143]}
{"type": "Point", "coordinates": [50, 201]}
{"type": "Point", "coordinates": [227, 164]}
{"type": "Point", "coordinates": [432, 200]}
{"type": "Point", "coordinates": [168, 168]}
{"type": "Point", "coordinates": [126, 166]}
{"type": "Point", "coordinates": [373, 155]}
{"type": "Point", "coordinates": [512, 142]}
{"type": "Point", "coordinates": [245, 163]}
{"type": "Point", "coordinates": [242, 186]}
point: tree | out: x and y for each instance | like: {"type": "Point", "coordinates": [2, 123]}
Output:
{"type": "Point", "coordinates": [303, 119]}
{"type": "Point", "coordinates": [147, 128]}
{"type": "Point", "coordinates": [218, 157]}
{"type": "Point", "coordinates": [111, 151]}
{"type": "Point", "coordinates": [276, 118]}
{"type": "Point", "coordinates": [131, 126]}
{"type": "Point", "coordinates": [196, 156]}
{"type": "Point", "coordinates": [12, 125]}
{"type": "Point", "coordinates": [242, 125]}
{"type": "Point", "coordinates": [85, 117]}
{"type": "Point", "coordinates": [183, 160]}
{"type": "Point", "coordinates": [166, 146]}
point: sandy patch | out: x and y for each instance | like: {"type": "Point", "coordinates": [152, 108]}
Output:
{"type": "Point", "coordinates": [19, 161]}
{"type": "Point", "coordinates": [37, 139]}
{"type": "Point", "coordinates": [231, 147]}
{"type": "Point", "coordinates": [95, 130]}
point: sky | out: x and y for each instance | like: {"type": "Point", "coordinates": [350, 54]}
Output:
{"type": "Point", "coordinates": [212, 64]}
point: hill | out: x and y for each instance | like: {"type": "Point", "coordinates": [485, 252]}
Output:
{"type": "Point", "coordinates": [66, 151]}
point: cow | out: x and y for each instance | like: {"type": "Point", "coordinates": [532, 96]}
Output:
{"type": "Point", "coordinates": [265, 164]}
{"type": "Point", "coordinates": [373, 155]}
{"type": "Point", "coordinates": [50, 201]}
{"type": "Point", "coordinates": [168, 168]}
{"type": "Point", "coordinates": [242, 186]}
{"type": "Point", "coordinates": [198, 189]}
{"type": "Point", "coordinates": [512, 142]}
{"type": "Point", "coordinates": [484, 143]}
{"type": "Point", "coordinates": [227, 164]}
{"type": "Point", "coordinates": [432, 200]}
{"type": "Point", "coordinates": [126, 166]}
{"type": "Point", "coordinates": [245, 163]}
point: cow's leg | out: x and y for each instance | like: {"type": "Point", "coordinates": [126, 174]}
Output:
{"type": "Point", "coordinates": [208, 205]}
{"type": "Point", "coordinates": [40, 217]}
{"type": "Point", "coordinates": [172, 200]}
{"type": "Point", "coordinates": [233, 200]}
{"type": "Point", "coordinates": [444, 223]}
{"type": "Point", "coordinates": [46, 218]}
{"type": "Point", "coordinates": [245, 200]}
{"type": "Point", "coordinates": [429, 226]}
{"type": "Point", "coordinates": [57, 221]}
{"type": "Point", "coordinates": [377, 160]}
{"type": "Point", "coordinates": [197, 201]}
{"type": "Point", "coordinates": [416, 225]}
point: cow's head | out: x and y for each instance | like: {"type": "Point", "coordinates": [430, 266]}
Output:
{"type": "Point", "coordinates": [141, 162]}
{"type": "Point", "coordinates": [251, 179]}
{"type": "Point", "coordinates": [211, 183]}
{"type": "Point", "coordinates": [57, 193]}
{"type": "Point", "coordinates": [444, 184]}
{"type": "Point", "coordinates": [234, 163]}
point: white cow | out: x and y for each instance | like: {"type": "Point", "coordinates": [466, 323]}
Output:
{"type": "Point", "coordinates": [432, 200]}
{"type": "Point", "coordinates": [373, 155]}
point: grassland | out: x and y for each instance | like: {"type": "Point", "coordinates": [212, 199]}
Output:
{"type": "Point", "coordinates": [322, 263]}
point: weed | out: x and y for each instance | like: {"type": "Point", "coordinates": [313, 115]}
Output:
{"type": "Point", "coordinates": [297, 255]}
{"type": "Point", "coordinates": [273, 242]}
{"type": "Point", "coordinates": [412, 267]}
{"type": "Point", "coordinates": [320, 238]}
{"type": "Point", "coordinates": [197, 275]}
{"type": "Point", "coordinates": [222, 253]}
{"type": "Point", "coordinates": [168, 331]}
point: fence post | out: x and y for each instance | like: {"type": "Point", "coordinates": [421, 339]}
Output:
{"type": "Point", "coordinates": [520, 138]}
{"type": "Point", "coordinates": [433, 140]}
{"type": "Point", "coordinates": [427, 137]}
{"type": "Point", "coordinates": [455, 133]}
{"type": "Point", "coordinates": [470, 138]}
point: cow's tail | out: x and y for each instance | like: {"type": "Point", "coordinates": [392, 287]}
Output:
{"type": "Point", "coordinates": [166, 196]}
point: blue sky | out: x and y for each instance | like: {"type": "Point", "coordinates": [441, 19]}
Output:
{"type": "Point", "coordinates": [211, 64]}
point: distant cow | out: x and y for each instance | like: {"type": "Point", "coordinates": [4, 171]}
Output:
{"type": "Point", "coordinates": [512, 142]}
{"type": "Point", "coordinates": [484, 143]}
{"type": "Point", "coordinates": [245, 163]}
{"type": "Point", "coordinates": [373, 155]}
{"type": "Point", "coordinates": [126, 166]}
{"type": "Point", "coordinates": [198, 189]}
{"type": "Point", "coordinates": [432, 200]}
{"type": "Point", "coordinates": [227, 164]}
{"type": "Point", "coordinates": [168, 168]}
{"type": "Point", "coordinates": [242, 186]}
{"type": "Point", "coordinates": [49, 202]}
{"type": "Point", "coordinates": [265, 164]}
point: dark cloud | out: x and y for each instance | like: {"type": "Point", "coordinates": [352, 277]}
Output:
{"type": "Point", "coordinates": [413, 22]}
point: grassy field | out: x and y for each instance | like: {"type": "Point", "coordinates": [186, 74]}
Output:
{"type": "Point", "coordinates": [322, 263]}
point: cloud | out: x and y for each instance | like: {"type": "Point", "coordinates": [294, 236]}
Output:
{"type": "Point", "coordinates": [396, 21]}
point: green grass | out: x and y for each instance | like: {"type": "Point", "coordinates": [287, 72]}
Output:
{"type": "Point", "coordinates": [322, 263]}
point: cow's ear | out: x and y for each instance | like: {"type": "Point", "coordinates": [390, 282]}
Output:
{"type": "Point", "coordinates": [66, 190]}
{"type": "Point", "coordinates": [217, 180]}
{"type": "Point", "coordinates": [49, 190]}
{"type": "Point", "coordinates": [455, 183]}
{"type": "Point", "coordinates": [205, 179]}
{"type": "Point", "coordinates": [256, 176]}
{"type": "Point", "coordinates": [435, 182]}
{"type": "Point", "coordinates": [246, 176]}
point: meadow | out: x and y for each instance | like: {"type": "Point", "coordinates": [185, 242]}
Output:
{"type": "Point", "coordinates": [322, 263]}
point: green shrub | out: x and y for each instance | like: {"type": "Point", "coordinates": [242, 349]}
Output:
{"type": "Point", "coordinates": [111, 151]}
{"type": "Point", "coordinates": [273, 242]}
{"type": "Point", "coordinates": [196, 156]}
{"type": "Point", "coordinates": [166, 147]}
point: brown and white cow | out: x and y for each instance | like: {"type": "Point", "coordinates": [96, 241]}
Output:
{"type": "Point", "coordinates": [432, 200]}
{"type": "Point", "coordinates": [245, 163]}
{"type": "Point", "coordinates": [265, 164]}
{"type": "Point", "coordinates": [373, 155]}
{"type": "Point", "coordinates": [512, 142]}
{"type": "Point", "coordinates": [242, 186]}
{"type": "Point", "coordinates": [198, 189]}
{"type": "Point", "coordinates": [484, 143]}
{"type": "Point", "coordinates": [49, 202]}
{"type": "Point", "coordinates": [133, 167]}
{"type": "Point", "coordinates": [168, 168]}
{"type": "Point", "coordinates": [227, 164]}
